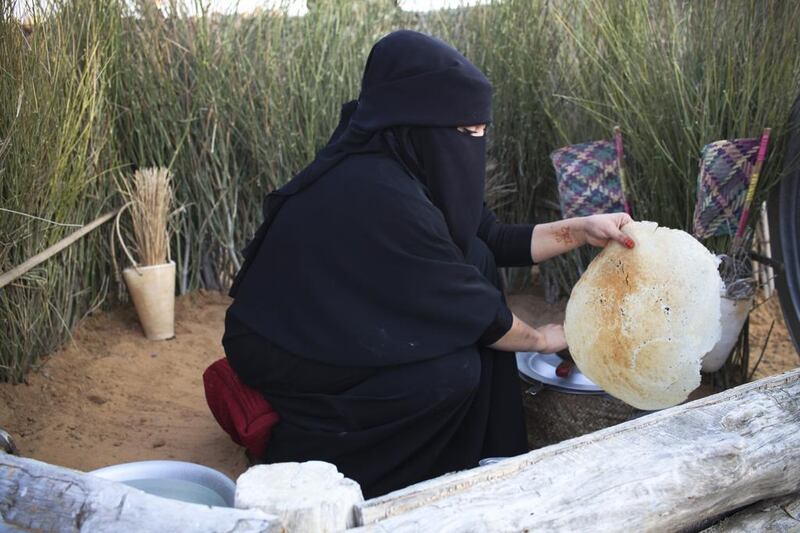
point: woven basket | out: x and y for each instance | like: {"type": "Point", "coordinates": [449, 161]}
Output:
{"type": "Point", "coordinates": [552, 416]}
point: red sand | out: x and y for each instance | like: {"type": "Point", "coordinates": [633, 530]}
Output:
{"type": "Point", "coordinates": [111, 396]}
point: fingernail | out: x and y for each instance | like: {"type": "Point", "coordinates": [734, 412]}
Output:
{"type": "Point", "coordinates": [629, 243]}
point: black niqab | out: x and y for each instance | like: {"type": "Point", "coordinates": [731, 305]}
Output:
{"type": "Point", "coordinates": [452, 166]}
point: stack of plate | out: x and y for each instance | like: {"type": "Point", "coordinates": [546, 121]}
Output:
{"type": "Point", "coordinates": [541, 367]}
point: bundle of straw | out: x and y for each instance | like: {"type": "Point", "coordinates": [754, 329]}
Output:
{"type": "Point", "coordinates": [150, 200]}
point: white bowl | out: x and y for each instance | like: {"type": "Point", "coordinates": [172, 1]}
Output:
{"type": "Point", "coordinates": [177, 480]}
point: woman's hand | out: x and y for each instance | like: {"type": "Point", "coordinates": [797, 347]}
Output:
{"type": "Point", "coordinates": [523, 338]}
{"type": "Point", "coordinates": [598, 230]}
{"type": "Point", "coordinates": [555, 238]}
{"type": "Point", "coordinates": [552, 339]}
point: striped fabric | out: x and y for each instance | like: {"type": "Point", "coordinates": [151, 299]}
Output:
{"type": "Point", "coordinates": [588, 179]}
{"type": "Point", "coordinates": [725, 168]}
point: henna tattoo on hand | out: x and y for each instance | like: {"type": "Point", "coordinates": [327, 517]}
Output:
{"type": "Point", "coordinates": [563, 236]}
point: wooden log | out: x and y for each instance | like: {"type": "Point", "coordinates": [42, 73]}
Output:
{"type": "Point", "coordinates": [37, 496]}
{"type": "Point", "coordinates": [776, 514]}
{"type": "Point", "coordinates": [671, 470]}
{"type": "Point", "coordinates": [309, 496]}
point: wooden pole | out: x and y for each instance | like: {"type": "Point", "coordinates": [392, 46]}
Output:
{"type": "Point", "coordinates": [677, 469]}
{"type": "Point", "coordinates": [14, 273]}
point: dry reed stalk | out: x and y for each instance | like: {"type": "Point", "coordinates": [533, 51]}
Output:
{"type": "Point", "coordinates": [150, 197]}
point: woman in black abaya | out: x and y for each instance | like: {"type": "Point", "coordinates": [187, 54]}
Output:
{"type": "Point", "coordinates": [369, 311]}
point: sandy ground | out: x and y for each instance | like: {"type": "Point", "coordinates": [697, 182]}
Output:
{"type": "Point", "coordinates": [779, 354]}
{"type": "Point", "coordinates": [110, 396]}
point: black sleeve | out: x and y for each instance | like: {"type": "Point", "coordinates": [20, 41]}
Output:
{"type": "Point", "coordinates": [510, 243]}
{"type": "Point", "coordinates": [501, 325]}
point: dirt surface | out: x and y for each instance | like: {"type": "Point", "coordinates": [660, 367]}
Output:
{"type": "Point", "coordinates": [111, 396]}
{"type": "Point", "coordinates": [779, 353]}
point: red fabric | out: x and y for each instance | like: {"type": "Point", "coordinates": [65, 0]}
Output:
{"type": "Point", "coordinates": [242, 412]}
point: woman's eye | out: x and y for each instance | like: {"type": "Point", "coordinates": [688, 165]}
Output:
{"type": "Point", "coordinates": [471, 132]}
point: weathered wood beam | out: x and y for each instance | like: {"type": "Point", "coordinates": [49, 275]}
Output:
{"type": "Point", "coordinates": [776, 514]}
{"type": "Point", "coordinates": [671, 470]}
{"type": "Point", "coordinates": [37, 496]}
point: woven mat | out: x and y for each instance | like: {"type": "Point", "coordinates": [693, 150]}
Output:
{"type": "Point", "coordinates": [552, 416]}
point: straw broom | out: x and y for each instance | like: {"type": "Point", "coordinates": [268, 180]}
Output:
{"type": "Point", "coordinates": [151, 284]}
{"type": "Point", "coordinates": [150, 200]}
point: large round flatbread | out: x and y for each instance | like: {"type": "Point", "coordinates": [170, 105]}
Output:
{"type": "Point", "coordinates": [639, 320]}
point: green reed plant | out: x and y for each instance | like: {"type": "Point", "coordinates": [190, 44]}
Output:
{"type": "Point", "coordinates": [676, 76]}
{"type": "Point", "coordinates": [55, 155]}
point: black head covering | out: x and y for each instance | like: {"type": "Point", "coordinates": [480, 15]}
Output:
{"type": "Point", "coordinates": [415, 90]}
{"type": "Point", "coordinates": [413, 79]}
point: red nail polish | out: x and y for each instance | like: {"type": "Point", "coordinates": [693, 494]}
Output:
{"type": "Point", "coordinates": [629, 243]}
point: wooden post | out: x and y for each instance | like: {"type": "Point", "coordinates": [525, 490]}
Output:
{"type": "Point", "coordinates": [310, 496]}
{"type": "Point", "coordinates": [672, 470]}
{"type": "Point", "coordinates": [37, 496]}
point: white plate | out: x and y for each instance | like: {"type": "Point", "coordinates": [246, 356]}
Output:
{"type": "Point", "coordinates": [542, 367]}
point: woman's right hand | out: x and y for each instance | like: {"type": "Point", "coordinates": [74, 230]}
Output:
{"type": "Point", "coordinates": [523, 338]}
{"type": "Point", "coordinates": [552, 338]}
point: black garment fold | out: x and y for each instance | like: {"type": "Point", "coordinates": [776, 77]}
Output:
{"type": "Point", "coordinates": [451, 164]}
{"type": "Point", "coordinates": [360, 270]}
{"type": "Point", "coordinates": [392, 426]}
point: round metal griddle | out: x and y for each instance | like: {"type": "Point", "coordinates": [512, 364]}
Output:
{"type": "Point", "coordinates": [541, 368]}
